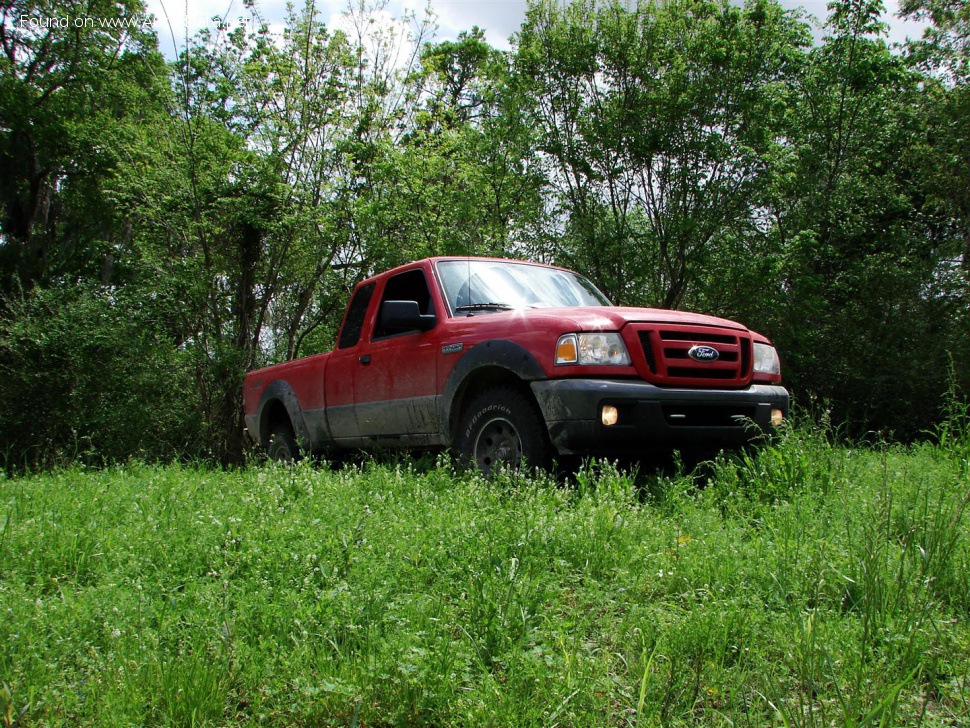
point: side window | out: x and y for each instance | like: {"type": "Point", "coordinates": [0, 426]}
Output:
{"type": "Point", "coordinates": [409, 286]}
{"type": "Point", "coordinates": [354, 320]}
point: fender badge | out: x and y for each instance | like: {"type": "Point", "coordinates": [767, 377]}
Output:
{"type": "Point", "coordinates": [703, 353]}
{"type": "Point", "coordinates": [451, 348]}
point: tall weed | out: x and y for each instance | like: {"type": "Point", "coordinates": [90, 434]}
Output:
{"type": "Point", "coordinates": [827, 580]}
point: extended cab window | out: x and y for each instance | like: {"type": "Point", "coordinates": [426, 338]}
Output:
{"type": "Point", "coordinates": [409, 286]}
{"type": "Point", "coordinates": [354, 320]}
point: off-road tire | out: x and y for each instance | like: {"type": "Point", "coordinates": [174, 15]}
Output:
{"type": "Point", "coordinates": [502, 427]}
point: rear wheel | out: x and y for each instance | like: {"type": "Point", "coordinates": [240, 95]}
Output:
{"type": "Point", "coordinates": [502, 427]}
{"type": "Point", "coordinates": [282, 445]}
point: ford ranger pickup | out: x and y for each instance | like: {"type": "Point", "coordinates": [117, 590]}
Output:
{"type": "Point", "coordinates": [508, 362]}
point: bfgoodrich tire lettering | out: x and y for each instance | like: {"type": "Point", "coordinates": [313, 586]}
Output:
{"type": "Point", "coordinates": [502, 427]}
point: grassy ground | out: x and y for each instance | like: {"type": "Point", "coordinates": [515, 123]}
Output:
{"type": "Point", "coordinates": [806, 585]}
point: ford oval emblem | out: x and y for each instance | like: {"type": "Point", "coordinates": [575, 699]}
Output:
{"type": "Point", "coordinates": [703, 353]}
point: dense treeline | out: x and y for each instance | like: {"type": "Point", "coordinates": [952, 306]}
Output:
{"type": "Point", "coordinates": [166, 226]}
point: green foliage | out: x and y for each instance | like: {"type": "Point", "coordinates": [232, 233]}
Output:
{"type": "Point", "coordinates": [690, 153]}
{"type": "Point", "coordinates": [655, 123]}
{"type": "Point", "coordinates": [945, 46]}
{"type": "Point", "coordinates": [803, 585]}
{"type": "Point", "coordinates": [89, 376]}
{"type": "Point", "coordinates": [68, 98]}
{"type": "Point", "coordinates": [862, 303]}
{"type": "Point", "coordinates": [943, 58]}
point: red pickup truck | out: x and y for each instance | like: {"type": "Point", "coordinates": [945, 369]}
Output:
{"type": "Point", "coordinates": [508, 361]}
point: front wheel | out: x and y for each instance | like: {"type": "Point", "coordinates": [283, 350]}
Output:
{"type": "Point", "coordinates": [502, 427]}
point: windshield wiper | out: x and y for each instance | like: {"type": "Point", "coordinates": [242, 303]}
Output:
{"type": "Point", "coordinates": [484, 307]}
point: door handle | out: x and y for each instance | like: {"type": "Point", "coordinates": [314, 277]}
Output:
{"type": "Point", "coordinates": [365, 359]}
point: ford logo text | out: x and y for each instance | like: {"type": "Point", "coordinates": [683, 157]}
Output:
{"type": "Point", "coordinates": [703, 353]}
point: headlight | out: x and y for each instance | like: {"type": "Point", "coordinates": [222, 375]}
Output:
{"type": "Point", "coordinates": [766, 359]}
{"type": "Point", "coordinates": [592, 349]}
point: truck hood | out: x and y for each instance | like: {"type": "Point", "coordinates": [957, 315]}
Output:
{"type": "Point", "coordinates": [614, 318]}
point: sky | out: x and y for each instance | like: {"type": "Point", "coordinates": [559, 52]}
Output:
{"type": "Point", "coordinates": [500, 19]}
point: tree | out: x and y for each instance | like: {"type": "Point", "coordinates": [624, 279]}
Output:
{"type": "Point", "coordinates": [654, 124]}
{"type": "Point", "coordinates": [87, 371]}
{"type": "Point", "coordinates": [255, 195]}
{"type": "Point", "coordinates": [456, 181]}
{"type": "Point", "coordinates": [943, 54]}
{"type": "Point", "coordinates": [855, 308]}
{"type": "Point", "coordinates": [71, 74]}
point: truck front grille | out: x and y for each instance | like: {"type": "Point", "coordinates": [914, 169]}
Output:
{"type": "Point", "coordinates": [665, 352]}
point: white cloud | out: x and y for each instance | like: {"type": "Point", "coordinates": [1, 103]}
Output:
{"type": "Point", "coordinates": [500, 19]}
{"type": "Point", "coordinates": [178, 20]}
{"type": "Point", "coordinates": [899, 29]}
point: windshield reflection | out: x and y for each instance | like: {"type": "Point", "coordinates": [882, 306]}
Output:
{"type": "Point", "coordinates": [488, 286]}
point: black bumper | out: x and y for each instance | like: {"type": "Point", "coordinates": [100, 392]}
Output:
{"type": "Point", "coordinates": [653, 417]}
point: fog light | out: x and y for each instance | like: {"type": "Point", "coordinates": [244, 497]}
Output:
{"type": "Point", "coordinates": [777, 417]}
{"type": "Point", "coordinates": [609, 415]}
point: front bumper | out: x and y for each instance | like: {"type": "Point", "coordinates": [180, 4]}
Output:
{"type": "Point", "coordinates": [653, 417]}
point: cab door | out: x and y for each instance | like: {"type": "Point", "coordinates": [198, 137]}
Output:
{"type": "Point", "coordinates": [342, 367]}
{"type": "Point", "coordinates": [395, 391]}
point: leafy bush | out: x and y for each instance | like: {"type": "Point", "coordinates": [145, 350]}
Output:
{"type": "Point", "coordinates": [87, 375]}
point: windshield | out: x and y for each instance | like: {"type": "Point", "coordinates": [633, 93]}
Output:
{"type": "Point", "coordinates": [487, 286]}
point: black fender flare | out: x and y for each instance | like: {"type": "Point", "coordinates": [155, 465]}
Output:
{"type": "Point", "coordinates": [495, 353]}
{"type": "Point", "coordinates": [281, 391]}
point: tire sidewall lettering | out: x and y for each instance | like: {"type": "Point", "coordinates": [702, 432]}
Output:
{"type": "Point", "coordinates": [474, 425]}
{"type": "Point", "coordinates": [518, 411]}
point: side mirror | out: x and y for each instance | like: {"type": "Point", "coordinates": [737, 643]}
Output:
{"type": "Point", "coordinates": [405, 316]}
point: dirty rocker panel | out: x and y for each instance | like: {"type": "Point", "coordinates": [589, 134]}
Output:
{"type": "Point", "coordinates": [411, 422]}
{"type": "Point", "coordinates": [399, 417]}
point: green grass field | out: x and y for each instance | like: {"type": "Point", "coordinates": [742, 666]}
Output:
{"type": "Point", "coordinates": [808, 584]}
